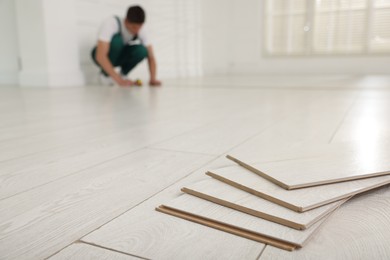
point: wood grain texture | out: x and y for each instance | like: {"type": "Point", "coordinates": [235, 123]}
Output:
{"type": "Point", "coordinates": [330, 168]}
{"type": "Point", "coordinates": [43, 167]}
{"type": "Point", "coordinates": [212, 139]}
{"type": "Point", "coordinates": [48, 133]}
{"type": "Point", "coordinates": [297, 200]}
{"type": "Point", "coordinates": [145, 232]}
{"type": "Point", "coordinates": [228, 196]}
{"type": "Point", "coordinates": [227, 228]}
{"type": "Point", "coordinates": [360, 229]}
{"type": "Point", "coordinates": [106, 113]}
{"type": "Point", "coordinates": [211, 211]}
{"type": "Point", "coordinates": [364, 121]}
{"type": "Point", "coordinates": [84, 251]}
{"type": "Point", "coordinates": [301, 134]}
{"type": "Point", "coordinates": [71, 207]}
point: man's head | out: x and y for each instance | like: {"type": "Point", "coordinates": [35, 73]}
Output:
{"type": "Point", "coordinates": [135, 18]}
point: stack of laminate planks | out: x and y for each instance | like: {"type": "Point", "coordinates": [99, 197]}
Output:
{"type": "Point", "coordinates": [281, 202]}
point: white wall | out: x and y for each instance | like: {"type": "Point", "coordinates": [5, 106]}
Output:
{"type": "Point", "coordinates": [174, 26]}
{"type": "Point", "coordinates": [47, 43]}
{"type": "Point", "coordinates": [216, 36]}
{"type": "Point", "coordinates": [61, 43]}
{"type": "Point", "coordinates": [238, 48]}
{"type": "Point", "coordinates": [38, 43]}
{"type": "Point", "coordinates": [8, 44]}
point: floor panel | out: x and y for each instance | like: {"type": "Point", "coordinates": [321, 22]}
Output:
{"type": "Point", "coordinates": [144, 231]}
{"type": "Point", "coordinates": [360, 229]}
{"type": "Point", "coordinates": [79, 251]}
{"type": "Point", "coordinates": [72, 159]}
{"type": "Point", "coordinates": [63, 211]}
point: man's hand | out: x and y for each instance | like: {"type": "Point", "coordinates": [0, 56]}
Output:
{"type": "Point", "coordinates": [154, 83]}
{"type": "Point", "coordinates": [124, 82]}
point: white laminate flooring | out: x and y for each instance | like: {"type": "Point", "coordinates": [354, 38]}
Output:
{"type": "Point", "coordinates": [234, 218]}
{"type": "Point", "coordinates": [153, 235]}
{"type": "Point", "coordinates": [336, 166]}
{"type": "Point", "coordinates": [81, 202]}
{"type": "Point", "coordinates": [299, 200]}
{"type": "Point", "coordinates": [229, 196]}
{"type": "Point", "coordinates": [358, 230]}
{"type": "Point", "coordinates": [79, 251]}
{"type": "Point", "coordinates": [79, 163]}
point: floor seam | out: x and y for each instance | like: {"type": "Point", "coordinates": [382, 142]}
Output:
{"type": "Point", "coordinates": [75, 173]}
{"type": "Point", "coordinates": [343, 119]}
{"type": "Point", "coordinates": [83, 236]}
{"type": "Point", "coordinates": [151, 196]}
{"type": "Point", "coordinates": [100, 163]}
{"type": "Point", "coordinates": [178, 151]}
{"type": "Point", "coordinates": [98, 246]}
{"type": "Point", "coordinates": [262, 251]}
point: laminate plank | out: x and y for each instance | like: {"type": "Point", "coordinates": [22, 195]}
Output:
{"type": "Point", "coordinates": [69, 208]}
{"type": "Point", "coordinates": [84, 251]}
{"type": "Point", "coordinates": [227, 228]}
{"type": "Point", "coordinates": [364, 123]}
{"type": "Point", "coordinates": [13, 149]}
{"type": "Point", "coordinates": [117, 110]}
{"type": "Point", "coordinates": [264, 148]}
{"type": "Point", "coordinates": [91, 110]}
{"type": "Point", "coordinates": [359, 229]}
{"type": "Point", "coordinates": [242, 221]}
{"type": "Point", "coordinates": [228, 196]}
{"type": "Point", "coordinates": [313, 113]}
{"type": "Point", "coordinates": [365, 130]}
{"type": "Point", "coordinates": [297, 200]}
{"type": "Point", "coordinates": [265, 117]}
{"type": "Point", "coordinates": [37, 169]}
{"type": "Point", "coordinates": [142, 231]}
{"type": "Point", "coordinates": [213, 139]}
{"type": "Point", "coordinates": [65, 157]}
{"type": "Point", "coordinates": [330, 168]}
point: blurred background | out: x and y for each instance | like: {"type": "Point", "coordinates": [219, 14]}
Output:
{"type": "Point", "coordinates": [48, 42]}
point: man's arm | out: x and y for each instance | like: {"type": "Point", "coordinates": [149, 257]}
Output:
{"type": "Point", "coordinates": [152, 67]}
{"type": "Point", "coordinates": [102, 51]}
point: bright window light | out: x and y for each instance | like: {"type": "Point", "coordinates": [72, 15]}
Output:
{"type": "Point", "coordinates": [323, 27]}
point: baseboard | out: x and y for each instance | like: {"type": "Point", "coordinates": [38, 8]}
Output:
{"type": "Point", "coordinates": [51, 79]}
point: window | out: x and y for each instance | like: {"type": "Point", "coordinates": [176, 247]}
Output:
{"type": "Point", "coordinates": [315, 27]}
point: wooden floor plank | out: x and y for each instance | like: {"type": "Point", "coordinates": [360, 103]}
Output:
{"type": "Point", "coordinates": [148, 233]}
{"type": "Point", "coordinates": [228, 196]}
{"type": "Point", "coordinates": [79, 251]}
{"type": "Point", "coordinates": [226, 228]}
{"type": "Point", "coordinates": [212, 139]}
{"type": "Point", "coordinates": [360, 229]}
{"type": "Point", "coordinates": [233, 218]}
{"type": "Point", "coordinates": [336, 166]}
{"type": "Point", "coordinates": [115, 110]}
{"type": "Point", "coordinates": [297, 200]}
{"type": "Point", "coordinates": [308, 127]}
{"type": "Point", "coordinates": [48, 133]}
{"type": "Point", "coordinates": [364, 123]}
{"type": "Point", "coordinates": [71, 207]}
{"type": "Point", "coordinates": [31, 171]}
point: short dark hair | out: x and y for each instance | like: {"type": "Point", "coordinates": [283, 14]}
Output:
{"type": "Point", "coordinates": [135, 14]}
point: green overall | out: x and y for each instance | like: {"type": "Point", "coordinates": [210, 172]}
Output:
{"type": "Point", "coordinates": [121, 54]}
